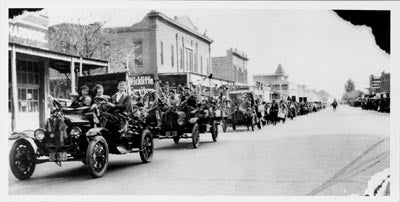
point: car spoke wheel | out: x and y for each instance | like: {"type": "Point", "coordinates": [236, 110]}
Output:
{"type": "Point", "coordinates": [22, 159]}
{"type": "Point", "coordinates": [196, 135]}
{"type": "Point", "coordinates": [146, 147]}
{"type": "Point", "coordinates": [97, 157]}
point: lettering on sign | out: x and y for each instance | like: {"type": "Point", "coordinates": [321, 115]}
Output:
{"type": "Point", "coordinates": [143, 81]}
{"type": "Point", "coordinates": [26, 33]}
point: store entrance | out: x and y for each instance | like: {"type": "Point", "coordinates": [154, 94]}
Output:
{"type": "Point", "coordinates": [28, 85]}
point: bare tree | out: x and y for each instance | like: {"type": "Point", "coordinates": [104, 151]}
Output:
{"type": "Point", "coordinates": [89, 41]}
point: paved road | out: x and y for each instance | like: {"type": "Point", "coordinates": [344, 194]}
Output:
{"type": "Point", "coordinates": [324, 153]}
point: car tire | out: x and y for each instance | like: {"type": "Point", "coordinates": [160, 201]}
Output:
{"type": "Point", "coordinates": [22, 159]}
{"type": "Point", "coordinates": [97, 156]}
{"type": "Point", "coordinates": [224, 126]}
{"type": "Point", "coordinates": [196, 135]}
{"type": "Point", "coordinates": [214, 131]}
{"type": "Point", "coordinates": [146, 147]}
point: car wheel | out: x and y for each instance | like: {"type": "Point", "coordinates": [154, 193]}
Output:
{"type": "Point", "coordinates": [224, 125]}
{"type": "Point", "coordinates": [214, 131]}
{"type": "Point", "coordinates": [146, 147]}
{"type": "Point", "coordinates": [97, 157]}
{"type": "Point", "coordinates": [22, 159]}
{"type": "Point", "coordinates": [196, 135]}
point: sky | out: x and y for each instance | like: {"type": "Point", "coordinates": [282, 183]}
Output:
{"type": "Point", "coordinates": [315, 47]}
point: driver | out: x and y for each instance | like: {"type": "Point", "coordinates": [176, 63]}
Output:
{"type": "Point", "coordinates": [121, 103]}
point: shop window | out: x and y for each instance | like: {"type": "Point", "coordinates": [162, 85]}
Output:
{"type": "Point", "coordinates": [28, 100]}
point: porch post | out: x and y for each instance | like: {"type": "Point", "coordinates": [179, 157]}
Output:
{"type": "Point", "coordinates": [14, 88]}
{"type": "Point", "coordinates": [72, 70]}
{"type": "Point", "coordinates": [80, 66]}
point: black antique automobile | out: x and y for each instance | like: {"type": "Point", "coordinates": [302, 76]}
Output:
{"type": "Point", "coordinates": [241, 111]}
{"type": "Point", "coordinates": [181, 122]}
{"type": "Point", "coordinates": [74, 134]}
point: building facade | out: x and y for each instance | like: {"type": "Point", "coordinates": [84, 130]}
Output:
{"type": "Point", "coordinates": [282, 89]}
{"type": "Point", "coordinates": [160, 45]}
{"type": "Point", "coordinates": [379, 84]}
{"type": "Point", "coordinates": [278, 82]}
{"type": "Point", "coordinates": [29, 64]}
{"type": "Point", "coordinates": [232, 67]}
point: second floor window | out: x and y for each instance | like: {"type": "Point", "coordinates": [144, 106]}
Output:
{"type": "Point", "coordinates": [161, 52]}
{"type": "Point", "coordinates": [172, 55]}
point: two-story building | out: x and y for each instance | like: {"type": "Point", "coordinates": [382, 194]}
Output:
{"type": "Point", "coordinates": [171, 49]}
{"type": "Point", "coordinates": [232, 67]}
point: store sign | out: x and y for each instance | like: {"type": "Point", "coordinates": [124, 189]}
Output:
{"type": "Point", "coordinates": [145, 81]}
{"type": "Point", "coordinates": [27, 35]}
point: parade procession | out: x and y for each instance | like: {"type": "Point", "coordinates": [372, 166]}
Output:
{"type": "Point", "coordinates": [83, 97]}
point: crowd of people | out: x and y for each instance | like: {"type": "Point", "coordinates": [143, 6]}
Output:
{"type": "Point", "coordinates": [376, 104]}
{"type": "Point", "coordinates": [124, 105]}
{"type": "Point", "coordinates": [278, 111]}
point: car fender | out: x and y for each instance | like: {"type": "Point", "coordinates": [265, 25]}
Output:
{"type": "Point", "coordinates": [21, 136]}
{"type": "Point", "coordinates": [193, 120]}
{"type": "Point", "coordinates": [95, 131]}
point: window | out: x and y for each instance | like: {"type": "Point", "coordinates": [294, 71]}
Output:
{"type": "Point", "coordinates": [208, 68]}
{"type": "Point", "coordinates": [161, 53]}
{"type": "Point", "coordinates": [28, 100]}
{"type": "Point", "coordinates": [172, 55]}
{"type": "Point", "coordinates": [201, 64]}
{"type": "Point", "coordinates": [182, 58]}
{"type": "Point", "coordinates": [138, 51]}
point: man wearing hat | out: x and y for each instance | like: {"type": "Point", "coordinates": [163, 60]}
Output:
{"type": "Point", "coordinates": [74, 100]}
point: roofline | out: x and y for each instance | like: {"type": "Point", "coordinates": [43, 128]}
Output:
{"type": "Point", "coordinates": [269, 75]}
{"type": "Point", "coordinates": [58, 55]}
{"type": "Point", "coordinates": [170, 20]}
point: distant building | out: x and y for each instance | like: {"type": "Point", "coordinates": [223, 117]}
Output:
{"type": "Point", "coordinates": [282, 89]}
{"type": "Point", "coordinates": [379, 84]}
{"type": "Point", "coordinates": [232, 67]}
{"type": "Point", "coordinates": [278, 82]}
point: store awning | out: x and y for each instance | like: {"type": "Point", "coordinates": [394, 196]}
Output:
{"type": "Point", "coordinates": [59, 61]}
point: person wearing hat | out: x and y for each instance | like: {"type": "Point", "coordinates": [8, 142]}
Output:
{"type": "Point", "coordinates": [74, 100]}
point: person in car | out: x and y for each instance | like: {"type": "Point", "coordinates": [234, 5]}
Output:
{"type": "Point", "coordinates": [98, 90]}
{"type": "Point", "coordinates": [75, 101]}
{"type": "Point", "coordinates": [172, 102]}
{"type": "Point", "coordinates": [121, 104]}
{"type": "Point", "coordinates": [84, 93]}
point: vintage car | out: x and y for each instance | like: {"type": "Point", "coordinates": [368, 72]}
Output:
{"type": "Point", "coordinates": [73, 134]}
{"type": "Point", "coordinates": [241, 111]}
{"type": "Point", "coordinates": [181, 122]}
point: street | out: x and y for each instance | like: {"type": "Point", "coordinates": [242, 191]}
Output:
{"type": "Point", "coordinates": [323, 153]}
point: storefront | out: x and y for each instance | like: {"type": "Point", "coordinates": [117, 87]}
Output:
{"type": "Point", "coordinates": [29, 83]}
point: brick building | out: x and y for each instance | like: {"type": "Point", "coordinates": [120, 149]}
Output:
{"type": "Point", "coordinates": [379, 84]}
{"type": "Point", "coordinates": [159, 46]}
{"type": "Point", "coordinates": [232, 67]}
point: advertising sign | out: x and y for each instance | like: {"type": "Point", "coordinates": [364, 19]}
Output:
{"type": "Point", "coordinates": [143, 81]}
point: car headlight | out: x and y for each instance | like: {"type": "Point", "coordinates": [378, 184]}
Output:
{"type": "Point", "coordinates": [75, 132]}
{"type": "Point", "coordinates": [39, 134]}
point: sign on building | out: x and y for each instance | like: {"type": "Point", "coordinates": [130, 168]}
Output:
{"type": "Point", "coordinates": [144, 81]}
